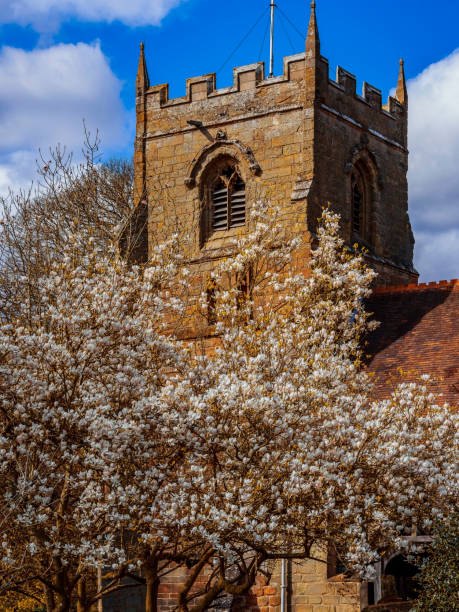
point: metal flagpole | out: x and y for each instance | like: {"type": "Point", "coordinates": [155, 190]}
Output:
{"type": "Point", "coordinates": [271, 47]}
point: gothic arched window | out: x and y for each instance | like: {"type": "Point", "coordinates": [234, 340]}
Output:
{"type": "Point", "coordinates": [228, 199]}
{"type": "Point", "coordinates": [358, 204]}
{"type": "Point", "coordinates": [361, 196]}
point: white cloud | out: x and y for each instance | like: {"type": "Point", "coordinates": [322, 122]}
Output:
{"type": "Point", "coordinates": [45, 15]}
{"type": "Point", "coordinates": [434, 168]}
{"type": "Point", "coordinates": [45, 95]}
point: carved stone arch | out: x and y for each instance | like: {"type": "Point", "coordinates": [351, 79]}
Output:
{"type": "Point", "coordinates": [232, 148]}
{"type": "Point", "coordinates": [362, 169]}
{"type": "Point", "coordinates": [204, 170]}
{"type": "Point", "coordinates": [364, 155]}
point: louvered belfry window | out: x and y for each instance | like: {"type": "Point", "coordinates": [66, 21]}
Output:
{"type": "Point", "coordinates": [357, 202]}
{"type": "Point", "coordinates": [228, 201]}
{"type": "Point", "coordinates": [220, 206]}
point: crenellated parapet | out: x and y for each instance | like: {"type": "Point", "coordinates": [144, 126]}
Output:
{"type": "Point", "coordinates": [249, 77]}
{"type": "Point", "coordinates": [341, 94]}
{"type": "Point", "coordinates": [252, 93]}
{"type": "Point", "coordinates": [371, 95]}
{"type": "Point", "coordinates": [365, 112]}
{"type": "Point", "coordinates": [252, 77]}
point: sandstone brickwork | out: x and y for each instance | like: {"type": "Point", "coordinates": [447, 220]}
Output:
{"type": "Point", "coordinates": [309, 590]}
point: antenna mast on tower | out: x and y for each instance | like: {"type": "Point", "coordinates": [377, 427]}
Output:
{"type": "Point", "coordinates": [271, 46]}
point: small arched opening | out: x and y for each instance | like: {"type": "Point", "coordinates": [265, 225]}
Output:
{"type": "Point", "coordinates": [223, 193]}
{"type": "Point", "coordinates": [362, 204]}
{"type": "Point", "coordinates": [400, 577]}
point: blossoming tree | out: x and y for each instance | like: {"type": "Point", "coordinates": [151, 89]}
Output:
{"type": "Point", "coordinates": [122, 446]}
{"type": "Point", "coordinates": [93, 346]}
{"type": "Point", "coordinates": [92, 198]}
{"type": "Point", "coordinates": [282, 447]}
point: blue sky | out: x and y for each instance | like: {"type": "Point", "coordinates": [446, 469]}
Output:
{"type": "Point", "coordinates": [65, 60]}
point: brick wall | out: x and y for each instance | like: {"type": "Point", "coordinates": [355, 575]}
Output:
{"type": "Point", "coordinates": [309, 590]}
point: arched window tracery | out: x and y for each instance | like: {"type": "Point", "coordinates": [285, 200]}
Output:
{"type": "Point", "coordinates": [228, 200]}
{"type": "Point", "coordinates": [223, 197]}
{"type": "Point", "coordinates": [362, 203]}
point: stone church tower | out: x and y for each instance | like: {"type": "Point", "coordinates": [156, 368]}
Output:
{"type": "Point", "coordinates": [299, 140]}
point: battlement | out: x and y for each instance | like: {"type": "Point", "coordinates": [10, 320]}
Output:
{"type": "Point", "coordinates": [245, 78]}
{"type": "Point", "coordinates": [440, 285]}
{"type": "Point", "coordinates": [251, 77]}
{"type": "Point", "coordinates": [346, 83]}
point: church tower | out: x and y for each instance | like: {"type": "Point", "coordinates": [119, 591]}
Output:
{"type": "Point", "coordinates": [299, 140]}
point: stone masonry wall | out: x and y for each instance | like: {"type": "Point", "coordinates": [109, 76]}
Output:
{"type": "Point", "coordinates": [309, 590]}
{"type": "Point", "coordinates": [294, 149]}
{"type": "Point", "coordinates": [350, 127]}
{"type": "Point", "coordinates": [261, 126]}
{"type": "Point", "coordinates": [258, 123]}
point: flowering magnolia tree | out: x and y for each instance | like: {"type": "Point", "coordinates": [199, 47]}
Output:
{"type": "Point", "coordinates": [122, 446]}
{"type": "Point", "coordinates": [95, 348]}
{"type": "Point", "coordinates": [278, 445]}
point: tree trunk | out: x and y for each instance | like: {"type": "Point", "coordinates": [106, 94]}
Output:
{"type": "Point", "coordinates": [150, 571]}
{"type": "Point", "coordinates": [63, 593]}
{"type": "Point", "coordinates": [55, 602]}
{"type": "Point", "coordinates": [81, 599]}
{"type": "Point", "coordinates": [49, 597]}
{"type": "Point", "coordinates": [99, 588]}
{"type": "Point", "coordinates": [64, 604]}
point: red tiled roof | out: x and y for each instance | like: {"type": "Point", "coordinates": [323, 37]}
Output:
{"type": "Point", "coordinates": [419, 333]}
